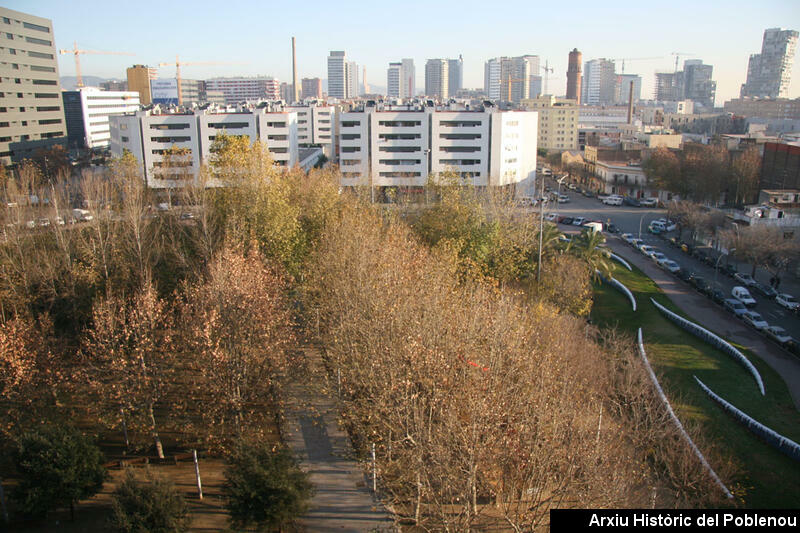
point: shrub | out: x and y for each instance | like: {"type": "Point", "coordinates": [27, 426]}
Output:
{"type": "Point", "coordinates": [265, 487]}
{"type": "Point", "coordinates": [152, 505]}
{"type": "Point", "coordinates": [58, 466]}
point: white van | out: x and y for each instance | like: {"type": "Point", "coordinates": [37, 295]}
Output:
{"type": "Point", "coordinates": [613, 200]}
{"type": "Point", "coordinates": [743, 295]}
{"type": "Point", "coordinates": [594, 227]}
{"type": "Point", "coordinates": [82, 215]}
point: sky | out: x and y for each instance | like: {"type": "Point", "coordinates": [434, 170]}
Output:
{"type": "Point", "coordinates": [249, 37]}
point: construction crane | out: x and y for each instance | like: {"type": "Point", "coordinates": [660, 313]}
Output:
{"type": "Point", "coordinates": [78, 53]}
{"type": "Point", "coordinates": [509, 80]}
{"type": "Point", "coordinates": [678, 56]}
{"type": "Point", "coordinates": [178, 64]}
{"type": "Point", "coordinates": [624, 59]}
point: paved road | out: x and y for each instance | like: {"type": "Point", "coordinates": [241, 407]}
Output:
{"type": "Point", "coordinates": [713, 317]}
{"type": "Point", "coordinates": [343, 501]}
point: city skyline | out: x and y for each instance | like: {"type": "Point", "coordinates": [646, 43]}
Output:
{"type": "Point", "coordinates": [714, 33]}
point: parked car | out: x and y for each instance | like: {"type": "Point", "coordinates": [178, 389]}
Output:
{"type": "Point", "coordinates": [613, 200]}
{"type": "Point", "coordinates": [778, 334]}
{"type": "Point", "coordinates": [743, 295]}
{"type": "Point", "coordinates": [82, 215]}
{"type": "Point", "coordinates": [717, 296]}
{"type": "Point", "coordinates": [655, 228]}
{"type": "Point", "coordinates": [765, 290]}
{"type": "Point", "coordinates": [627, 237]}
{"type": "Point", "coordinates": [646, 249]}
{"type": "Point", "coordinates": [734, 306]}
{"type": "Point", "coordinates": [612, 228]}
{"type": "Point", "coordinates": [729, 270]}
{"type": "Point", "coordinates": [744, 278]}
{"type": "Point", "coordinates": [563, 198]}
{"type": "Point", "coordinates": [636, 243]}
{"type": "Point", "coordinates": [578, 221]}
{"type": "Point", "coordinates": [649, 202]}
{"type": "Point", "coordinates": [43, 222]}
{"type": "Point", "coordinates": [755, 320]}
{"type": "Point", "coordinates": [631, 201]}
{"type": "Point", "coordinates": [787, 301]}
{"type": "Point", "coordinates": [670, 266]}
{"type": "Point", "coordinates": [566, 221]}
{"type": "Point", "coordinates": [658, 257]}
{"type": "Point", "coordinates": [700, 284]}
{"type": "Point", "coordinates": [187, 216]}
{"type": "Point", "coordinates": [684, 274]}
{"type": "Point", "coordinates": [588, 194]}
{"type": "Point", "coordinates": [551, 217]}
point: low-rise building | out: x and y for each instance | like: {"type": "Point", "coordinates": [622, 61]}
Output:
{"type": "Point", "coordinates": [558, 122]}
{"type": "Point", "coordinates": [770, 108]}
{"type": "Point", "coordinates": [171, 147]}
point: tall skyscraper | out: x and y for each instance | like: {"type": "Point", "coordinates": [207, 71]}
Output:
{"type": "Point", "coordinates": [351, 77]}
{"type": "Point", "coordinates": [437, 77]}
{"type": "Point", "coordinates": [409, 79]}
{"type": "Point", "coordinates": [599, 82]}
{"type": "Point", "coordinates": [669, 86]}
{"type": "Point", "coordinates": [697, 83]}
{"type": "Point", "coordinates": [574, 76]}
{"type": "Point", "coordinates": [31, 107]}
{"type": "Point", "coordinates": [769, 73]}
{"type": "Point", "coordinates": [510, 78]}
{"type": "Point", "coordinates": [455, 79]}
{"type": "Point", "coordinates": [393, 77]}
{"type": "Point", "coordinates": [337, 74]}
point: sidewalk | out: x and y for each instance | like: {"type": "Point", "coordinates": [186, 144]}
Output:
{"type": "Point", "coordinates": [342, 501]}
{"type": "Point", "coordinates": [713, 317]}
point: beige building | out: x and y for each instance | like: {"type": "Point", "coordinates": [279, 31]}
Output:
{"type": "Point", "coordinates": [558, 122]}
{"type": "Point", "coordinates": [31, 109]}
{"type": "Point", "coordinates": [139, 77]}
{"type": "Point", "coordinates": [776, 108]}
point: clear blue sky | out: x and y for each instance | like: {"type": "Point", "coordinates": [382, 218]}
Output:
{"type": "Point", "coordinates": [258, 34]}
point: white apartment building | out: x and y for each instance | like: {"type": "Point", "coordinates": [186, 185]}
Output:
{"type": "Point", "coordinates": [316, 126]}
{"type": "Point", "coordinates": [403, 147]}
{"type": "Point", "coordinates": [400, 79]}
{"type": "Point", "coordinates": [599, 82]}
{"type": "Point", "coordinates": [510, 78]}
{"type": "Point", "coordinates": [87, 111]}
{"type": "Point", "coordinates": [151, 137]}
{"type": "Point", "coordinates": [437, 78]}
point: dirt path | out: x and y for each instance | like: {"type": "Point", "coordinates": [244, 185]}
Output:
{"type": "Point", "coordinates": [343, 501]}
{"type": "Point", "coordinates": [713, 317]}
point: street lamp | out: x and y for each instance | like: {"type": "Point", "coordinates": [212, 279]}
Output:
{"type": "Point", "coordinates": [558, 194]}
{"type": "Point", "coordinates": [640, 226]}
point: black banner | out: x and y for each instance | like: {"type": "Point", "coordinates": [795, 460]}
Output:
{"type": "Point", "coordinates": [568, 520]}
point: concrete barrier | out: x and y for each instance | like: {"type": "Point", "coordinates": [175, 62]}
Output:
{"type": "Point", "coordinates": [677, 421]}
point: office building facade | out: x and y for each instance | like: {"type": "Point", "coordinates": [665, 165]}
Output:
{"type": "Point", "coordinates": [599, 82]}
{"type": "Point", "coordinates": [139, 77]}
{"type": "Point", "coordinates": [311, 88]}
{"type": "Point", "coordinates": [455, 75]}
{"type": "Point", "coordinates": [31, 108]}
{"type": "Point", "coordinates": [437, 78]}
{"type": "Point", "coordinates": [87, 111]}
{"type": "Point", "coordinates": [237, 90]}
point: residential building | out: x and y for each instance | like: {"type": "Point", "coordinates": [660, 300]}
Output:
{"type": "Point", "coordinates": [491, 78]}
{"type": "Point", "coordinates": [437, 77]}
{"type": "Point", "coordinates": [87, 111]}
{"type": "Point", "coordinates": [311, 88]}
{"type": "Point", "coordinates": [697, 83]}
{"type": "Point", "coordinates": [455, 75]}
{"type": "Point", "coordinates": [286, 92]}
{"type": "Point", "coordinates": [622, 88]}
{"type": "Point", "coordinates": [31, 108]}
{"type": "Point", "coordinates": [172, 147]}
{"type": "Point", "coordinates": [404, 146]}
{"type": "Point", "coordinates": [337, 74]}
{"type": "Point", "coordinates": [409, 78]}
{"type": "Point", "coordinates": [139, 77]}
{"type": "Point", "coordinates": [351, 79]}
{"type": "Point", "coordinates": [780, 166]}
{"type": "Point", "coordinates": [769, 73]}
{"type": "Point", "coordinates": [771, 108]}
{"type": "Point", "coordinates": [510, 79]}
{"type": "Point", "coordinates": [558, 122]}
{"type": "Point", "coordinates": [599, 82]}
{"type": "Point", "coordinates": [316, 126]}
{"type": "Point", "coordinates": [245, 89]}
{"type": "Point", "coordinates": [393, 79]}
{"type": "Point", "coordinates": [574, 76]}
{"type": "Point", "coordinates": [114, 85]}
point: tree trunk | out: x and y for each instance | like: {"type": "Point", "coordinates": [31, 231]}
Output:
{"type": "Point", "coordinates": [156, 438]}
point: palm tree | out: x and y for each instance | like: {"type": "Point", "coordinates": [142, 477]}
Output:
{"type": "Point", "coordinates": [588, 246]}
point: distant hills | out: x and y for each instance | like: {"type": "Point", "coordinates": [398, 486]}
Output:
{"type": "Point", "coordinates": [69, 83]}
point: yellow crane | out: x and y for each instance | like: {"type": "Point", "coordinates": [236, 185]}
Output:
{"type": "Point", "coordinates": [678, 56]}
{"type": "Point", "coordinates": [178, 64]}
{"type": "Point", "coordinates": [78, 54]}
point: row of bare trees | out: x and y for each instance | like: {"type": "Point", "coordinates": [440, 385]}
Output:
{"type": "Point", "coordinates": [483, 408]}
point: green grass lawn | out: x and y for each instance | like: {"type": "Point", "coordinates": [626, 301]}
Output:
{"type": "Point", "coordinates": [769, 478]}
